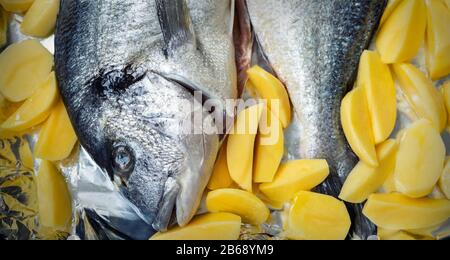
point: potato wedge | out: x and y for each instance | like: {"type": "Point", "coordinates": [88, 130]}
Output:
{"type": "Point", "coordinates": [315, 216]}
{"type": "Point", "coordinates": [356, 122]}
{"type": "Point", "coordinates": [40, 19]}
{"type": "Point", "coordinates": [212, 226]}
{"type": "Point", "coordinates": [420, 93]}
{"type": "Point", "coordinates": [420, 160]}
{"type": "Point", "coordinates": [269, 148]}
{"type": "Point", "coordinates": [241, 144]}
{"type": "Point", "coordinates": [24, 66]}
{"type": "Point", "coordinates": [295, 176]}
{"type": "Point", "coordinates": [57, 138]}
{"type": "Point", "coordinates": [55, 206]}
{"type": "Point", "coordinates": [444, 181]}
{"type": "Point", "coordinates": [399, 212]}
{"type": "Point", "coordinates": [392, 4]}
{"type": "Point", "coordinates": [242, 203]}
{"type": "Point", "coordinates": [365, 180]}
{"type": "Point", "coordinates": [446, 93]}
{"type": "Point", "coordinates": [17, 6]}
{"type": "Point", "coordinates": [220, 178]}
{"type": "Point", "coordinates": [36, 109]}
{"type": "Point", "coordinates": [438, 39]}
{"type": "Point", "coordinates": [402, 34]}
{"type": "Point", "coordinates": [3, 27]}
{"type": "Point", "coordinates": [376, 79]}
{"type": "Point", "coordinates": [270, 88]}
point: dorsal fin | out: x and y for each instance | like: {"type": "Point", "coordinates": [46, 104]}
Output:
{"type": "Point", "coordinates": [176, 23]}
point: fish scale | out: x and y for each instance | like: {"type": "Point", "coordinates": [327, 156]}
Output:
{"type": "Point", "coordinates": [314, 47]}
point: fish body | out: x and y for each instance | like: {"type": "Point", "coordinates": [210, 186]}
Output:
{"type": "Point", "coordinates": [314, 47]}
{"type": "Point", "coordinates": [126, 72]}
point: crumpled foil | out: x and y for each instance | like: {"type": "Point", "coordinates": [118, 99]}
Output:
{"type": "Point", "coordinates": [99, 209]}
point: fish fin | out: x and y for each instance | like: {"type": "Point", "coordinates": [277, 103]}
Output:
{"type": "Point", "coordinates": [176, 23]}
{"type": "Point", "coordinates": [167, 205]}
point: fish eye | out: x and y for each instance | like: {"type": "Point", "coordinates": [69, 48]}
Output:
{"type": "Point", "coordinates": [123, 160]}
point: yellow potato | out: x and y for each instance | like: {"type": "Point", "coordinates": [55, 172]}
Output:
{"type": "Point", "coordinates": [242, 203]}
{"type": "Point", "coordinates": [446, 93]}
{"type": "Point", "coordinates": [55, 208]}
{"type": "Point", "coordinates": [17, 6]}
{"type": "Point", "coordinates": [3, 27]}
{"type": "Point", "coordinates": [57, 138]}
{"type": "Point", "coordinates": [444, 181]}
{"type": "Point", "coordinates": [24, 66]}
{"type": "Point", "coordinates": [392, 4]}
{"type": "Point", "coordinates": [425, 232]}
{"type": "Point", "coordinates": [420, 160]}
{"type": "Point", "coordinates": [365, 180]}
{"type": "Point", "coordinates": [398, 236]}
{"type": "Point", "coordinates": [240, 147]}
{"type": "Point", "coordinates": [356, 124]}
{"type": "Point", "coordinates": [420, 93]}
{"type": "Point", "coordinates": [295, 176]}
{"type": "Point", "coordinates": [399, 212]}
{"type": "Point", "coordinates": [40, 20]}
{"type": "Point", "coordinates": [402, 34]}
{"type": "Point", "coordinates": [438, 39]}
{"type": "Point", "coordinates": [220, 178]}
{"type": "Point", "coordinates": [376, 79]}
{"type": "Point", "coordinates": [270, 88]}
{"type": "Point", "coordinates": [447, 3]}
{"type": "Point", "coordinates": [315, 216]}
{"type": "Point", "coordinates": [36, 109]}
{"type": "Point", "coordinates": [269, 148]}
{"type": "Point", "coordinates": [213, 226]}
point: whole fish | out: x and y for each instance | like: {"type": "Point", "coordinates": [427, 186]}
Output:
{"type": "Point", "coordinates": [314, 47]}
{"type": "Point", "coordinates": [127, 73]}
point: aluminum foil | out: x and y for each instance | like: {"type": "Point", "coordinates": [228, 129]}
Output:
{"type": "Point", "coordinates": [99, 209]}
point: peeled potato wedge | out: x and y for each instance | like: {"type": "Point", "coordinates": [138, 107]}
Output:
{"type": "Point", "coordinates": [55, 208]}
{"type": "Point", "coordinates": [399, 212]}
{"type": "Point", "coordinates": [17, 6]}
{"type": "Point", "coordinates": [447, 3]}
{"type": "Point", "coordinates": [241, 144]}
{"type": "Point", "coordinates": [271, 89]}
{"type": "Point", "coordinates": [420, 160]}
{"type": "Point", "coordinates": [57, 138]}
{"type": "Point", "coordinates": [40, 19]}
{"type": "Point", "coordinates": [444, 181]}
{"type": "Point", "coordinates": [420, 93]}
{"type": "Point", "coordinates": [269, 148]}
{"type": "Point", "coordinates": [392, 4]}
{"type": "Point", "coordinates": [376, 79]}
{"type": "Point", "coordinates": [242, 203]}
{"type": "Point", "coordinates": [402, 34]}
{"type": "Point", "coordinates": [315, 216]}
{"type": "Point", "coordinates": [356, 124]}
{"type": "Point", "coordinates": [295, 176]}
{"type": "Point", "coordinates": [212, 226]}
{"type": "Point", "coordinates": [365, 180]}
{"type": "Point", "coordinates": [438, 39]}
{"type": "Point", "coordinates": [36, 109]}
{"type": "Point", "coordinates": [24, 66]}
{"type": "Point", "coordinates": [446, 93]}
{"type": "Point", "coordinates": [220, 178]}
{"type": "Point", "coordinates": [397, 236]}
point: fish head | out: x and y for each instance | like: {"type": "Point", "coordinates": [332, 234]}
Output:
{"type": "Point", "coordinates": [151, 146]}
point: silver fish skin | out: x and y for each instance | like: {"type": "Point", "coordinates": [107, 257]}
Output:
{"type": "Point", "coordinates": [126, 72]}
{"type": "Point", "coordinates": [314, 47]}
